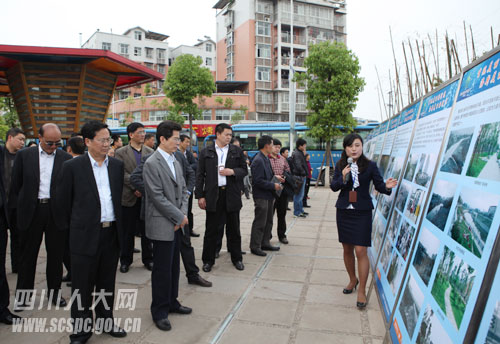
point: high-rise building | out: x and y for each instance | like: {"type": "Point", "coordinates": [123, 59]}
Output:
{"type": "Point", "coordinates": [254, 44]}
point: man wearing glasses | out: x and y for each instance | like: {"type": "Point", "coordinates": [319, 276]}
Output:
{"type": "Point", "coordinates": [33, 193]}
{"type": "Point", "coordinates": [131, 156]}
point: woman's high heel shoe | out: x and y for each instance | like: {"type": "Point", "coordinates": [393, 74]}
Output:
{"type": "Point", "coordinates": [349, 291]}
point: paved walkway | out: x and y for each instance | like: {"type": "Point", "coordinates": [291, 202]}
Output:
{"type": "Point", "coordinates": [292, 296]}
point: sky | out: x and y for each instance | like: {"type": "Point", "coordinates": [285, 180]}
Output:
{"type": "Point", "coordinates": [59, 23]}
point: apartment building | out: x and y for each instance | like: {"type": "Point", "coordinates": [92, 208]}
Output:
{"type": "Point", "coordinates": [254, 43]}
{"type": "Point", "coordinates": [152, 50]}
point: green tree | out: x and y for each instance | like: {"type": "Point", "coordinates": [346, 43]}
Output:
{"type": "Point", "coordinates": [10, 116]}
{"type": "Point", "coordinates": [185, 81]}
{"type": "Point", "coordinates": [239, 115]}
{"type": "Point", "coordinates": [332, 87]}
{"type": "Point", "coordinates": [147, 89]}
{"type": "Point", "coordinates": [228, 103]}
{"type": "Point", "coordinates": [219, 100]}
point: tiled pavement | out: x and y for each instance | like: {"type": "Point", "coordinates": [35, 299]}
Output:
{"type": "Point", "coordinates": [291, 296]}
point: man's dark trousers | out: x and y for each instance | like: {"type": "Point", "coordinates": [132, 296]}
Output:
{"type": "Point", "coordinates": [31, 239]}
{"type": "Point", "coordinates": [262, 223]}
{"type": "Point", "coordinates": [165, 276]}
{"type": "Point", "coordinates": [132, 221]}
{"type": "Point", "coordinates": [233, 235]}
{"type": "Point", "coordinates": [280, 206]}
{"type": "Point", "coordinates": [187, 254]}
{"type": "Point", "coordinates": [98, 270]}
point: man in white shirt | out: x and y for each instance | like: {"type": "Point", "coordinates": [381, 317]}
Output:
{"type": "Point", "coordinates": [33, 193]}
{"type": "Point", "coordinates": [90, 200]}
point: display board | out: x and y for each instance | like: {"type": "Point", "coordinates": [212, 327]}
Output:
{"type": "Point", "coordinates": [461, 218]}
{"type": "Point", "coordinates": [392, 165]}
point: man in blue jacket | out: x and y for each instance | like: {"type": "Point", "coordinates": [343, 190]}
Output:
{"type": "Point", "coordinates": [263, 197]}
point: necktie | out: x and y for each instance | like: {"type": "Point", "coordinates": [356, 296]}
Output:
{"type": "Point", "coordinates": [354, 173]}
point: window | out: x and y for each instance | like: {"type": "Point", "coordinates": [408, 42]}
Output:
{"type": "Point", "coordinates": [149, 53]}
{"type": "Point", "coordinates": [137, 51]}
{"type": "Point", "coordinates": [123, 94]}
{"type": "Point", "coordinates": [136, 116]}
{"type": "Point", "coordinates": [138, 35]}
{"type": "Point", "coordinates": [124, 49]}
{"type": "Point", "coordinates": [149, 65]}
{"type": "Point", "coordinates": [263, 74]}
{"type": "Point", "coordinates": [263, 29]}
{"type": "Point", "coordinates": [264, 97]}
{"type": "Point", "coordinates": [106, 46]}
{"type": "Point", "coordinates": [207, 115]}
{"type": "Point", "coordinates": [160, 85]}
{"type": "Point", "coordinates": [160, 69]}
{"type": "Point", "coordinates": [264, 50]}
{"type": "Point", "coordinates": [161, 55]}
{"type": "Point", "coordinates": [224, 114]}
{"type": "Point", "coordinates": [264, 7]}
{"type": "Point", "coordinates": [157, 116]}
{"type": "Point", "coordinates": [208, 61]}
{"type": "Point", "coordinates": [137, 95]}
{"type": "Point", "coordinates": [208, 47]}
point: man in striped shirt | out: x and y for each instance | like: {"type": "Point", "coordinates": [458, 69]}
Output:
{"type": "Point", "coordinates": [279, 166]}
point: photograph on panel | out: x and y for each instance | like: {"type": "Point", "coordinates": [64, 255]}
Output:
{"type": "Point", "coordinates": [456, 150]}
{"type": "Point", "coordinates": [472, 219]}
{"type": "Point", "coordinates": [440, 204]}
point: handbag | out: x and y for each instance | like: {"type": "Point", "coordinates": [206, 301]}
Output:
{"type": "Point", "coordinates": [295, 182]}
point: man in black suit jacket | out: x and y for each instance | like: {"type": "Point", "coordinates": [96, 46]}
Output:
{"type": "Point", "coordinates": [219, 181]}
{"type": "Point", "coordinates": [193, 163]}
{"type": "Point", "coordinates": [6, 316]}
{"type": "Point", "coordinates": [263, 197]}
{"type": "Point", "coordinates": [90, 195]}
{"type": "Point", "coordinates": [33, 193]}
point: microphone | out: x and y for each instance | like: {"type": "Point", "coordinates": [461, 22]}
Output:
{"type": "Point", "coordinates": [349, 163]}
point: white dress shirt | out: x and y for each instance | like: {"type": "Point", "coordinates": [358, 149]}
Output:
{"type": "Point", "coordinates": [103, 188]}
{"type": "Point", "coordinates": [221, 160]}
{"type": "Point", "coordinates": [46, 166]}
{"type": "Point", "coordinates": [169, 158]}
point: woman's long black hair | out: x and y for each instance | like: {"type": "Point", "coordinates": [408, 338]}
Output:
{"type": "Point", "coordinates": [362, 162]}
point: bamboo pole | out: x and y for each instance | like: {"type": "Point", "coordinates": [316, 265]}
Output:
{"type": "Point", "coordinates": [424, 81]}
{"type": "Point", "coordinates": [394, 56]}
{"type": "Point", "coordinates": [410, 91]}
{"type": "Point", "coordinates": [473, 45]}
{"type": "Point", "coordinates": [415, 70]}
{"type": "Point", "coordinates": [492, 41]}
{"type": "Point", "coordinates": [437, 55]}
{"type": "Point", "coordinates": [448, 55]}
{"type": "Point", "coordinates": [466, 45]}
{"type": "Point", "coordinates": [383, 99]}
{"type": "Point", "coordinates": [433, 54]}
{"type": "Point", "coordinates": [425, 66]}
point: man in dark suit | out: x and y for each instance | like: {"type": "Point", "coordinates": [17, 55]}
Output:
{"type": "Point", "coordinates": [193, 163]}
{"type": "Point", "coordinates": [299, 168]}
{"type": "Point", "coordinates": [219, 181]}
{"type": "Point", "coordinates": [13, 143]}
{"type": "Point", "coordinates": [263, 197]}
{"type": "Point", "coordinates": [90, 200]}
{"type": "Point", "coordinates": [131, 155]}
{"type": "Point", "coordinates": [33, 193]}
{"type": "Point", "coordinates": [186, 249]}
{"type": "Point", "coordinates": [166, 210]}
{"type": "Point", "coordinates": [6, 317]}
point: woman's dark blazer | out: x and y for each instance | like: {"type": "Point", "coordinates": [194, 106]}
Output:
{"type": "Point", "coordinates": [371, 173]}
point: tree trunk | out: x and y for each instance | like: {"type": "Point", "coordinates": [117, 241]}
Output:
{"type": "Point", "coordinates": [191, 128]}
{"type": "Point", "coordinates": [328, 153]}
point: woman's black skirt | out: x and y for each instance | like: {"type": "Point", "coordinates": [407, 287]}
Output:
{"type": "Point", "coordinates": [354, 226]}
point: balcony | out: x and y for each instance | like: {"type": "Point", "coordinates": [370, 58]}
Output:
{"type": "Point", "coordinates": [160, 60]}
{"type": "Point", "coordinates": [263, 85]}
{"type": "Point", "coordinates": [264, 107]}
{"type": "Point", "coordinates": [262, 62]}
{"type": "Point", "coordinates": [299, 107]}
{"type": "Point", "coordinates": [263, 39]}
{"type": "Point", "coordinates": [285, 38]}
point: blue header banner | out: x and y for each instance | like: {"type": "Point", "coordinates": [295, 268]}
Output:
{"type": "Point", "coordinates": [394, 122]}
{"type": "Point", "coordinates": [440, 100]}
{"type": "Point", "coordinates": [480, 78]}
{"type": "Point", "coordinates": [409, 114]}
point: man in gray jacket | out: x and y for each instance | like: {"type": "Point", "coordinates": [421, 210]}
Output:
{"type": "Point", "coordinates": [166, 215]}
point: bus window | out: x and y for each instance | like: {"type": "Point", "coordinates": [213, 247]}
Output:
{"type": "Point", "coordinates": [248, 141]}
{"type": "Point", "coordinates": [312, 143]}
{"type": "Point", "coordinates": [283, 136]}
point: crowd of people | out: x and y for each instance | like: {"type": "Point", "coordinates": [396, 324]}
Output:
{"type": "Point", "coordinates": [89, 200]}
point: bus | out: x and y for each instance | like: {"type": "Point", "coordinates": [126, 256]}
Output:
{"type": "Point", "coordinates": [249, 134]}
{"type": "Point", "coordinates": [122, 131]}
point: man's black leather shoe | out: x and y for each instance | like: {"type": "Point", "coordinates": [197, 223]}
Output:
{"type": "Point", "coordinates": [124, 268]}
{"type": "Point", "coordinates": [239, 265]}
{"type": "Point", "coordinates": [149, 266]}
{"type": "Point", "coordinates": [163, 324]}
{"type": "Point", "coordinates": [194, 234]}
{"type": "Point", "coordinates": [284, 241]}
{"type": "Point", "coordinates": [117, 332]}
{"type": "Point", "coordinates": [66, 278]}
{"type": "Point", "coordinates": [207, 267]}
{"type": "Point", "coordinates": [182, 310]}
{"type": "Point", "coordinates": [61, 302]}
{"type": "Point", "coordinates": [9, 318]}
{"type": "Point", "coordinates": [198, 280]}
{"type": "Point", "coordinates": [258, 252]}
{"type": "Point", "coordinates": [270, 248]}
